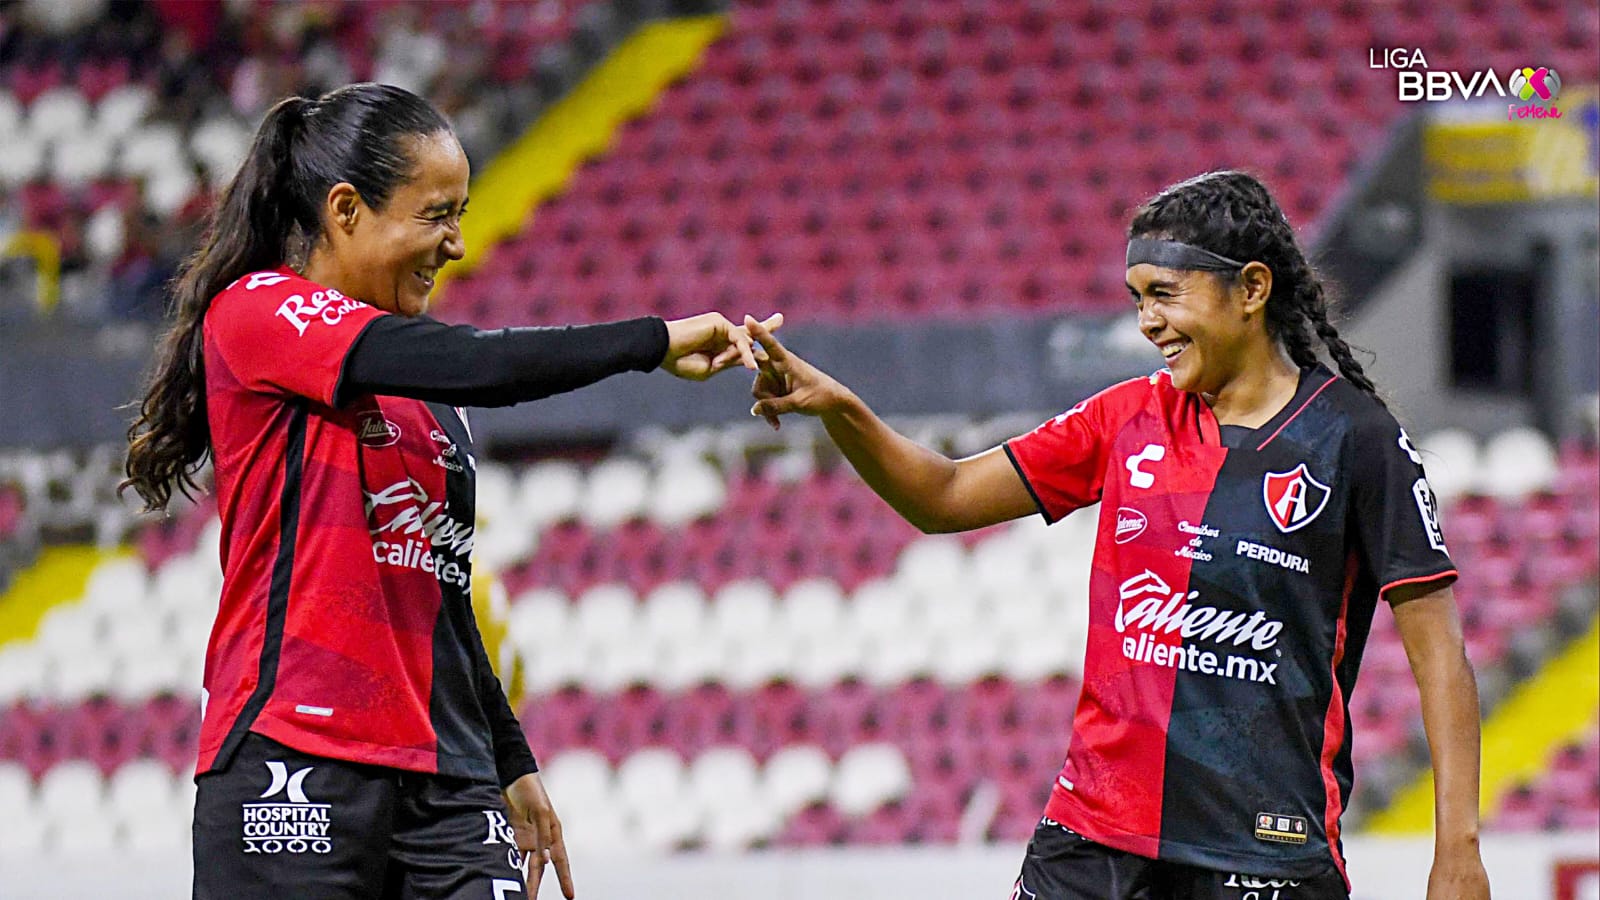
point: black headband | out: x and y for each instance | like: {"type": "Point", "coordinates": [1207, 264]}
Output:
{"type": "Point", "coordinates": [1178, 255]}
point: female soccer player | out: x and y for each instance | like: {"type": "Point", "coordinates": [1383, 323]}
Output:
{"type": "Point", "coordinates": [355, 741]}
{"type": "Point", "coordinates": [1254, 507]}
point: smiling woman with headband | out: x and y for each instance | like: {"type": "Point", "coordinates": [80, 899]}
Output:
{"type": "Point", "coordinates": [1255, 507]}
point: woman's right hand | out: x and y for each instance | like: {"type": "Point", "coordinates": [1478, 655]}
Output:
{"type": "Point", "coordinates": [701, 346]}
{"type": "Point", "coordinates": [786, 383]}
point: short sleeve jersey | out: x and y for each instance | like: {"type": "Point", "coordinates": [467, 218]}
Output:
{"type": "Point", "coordinates": [1231, 595]}
{"type": "Point", "coordinates": [345, 627]}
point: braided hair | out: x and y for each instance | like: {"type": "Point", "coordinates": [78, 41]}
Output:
{"type": "Point", "coordinates": [1232, 213]}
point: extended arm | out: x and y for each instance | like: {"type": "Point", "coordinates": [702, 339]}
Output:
{"type": "Point", "coordinates": [465, 366]}
{"type": "Point", "coordinates": [1431, 632]}
{"type": "Point", "coordinates": [930, 490]}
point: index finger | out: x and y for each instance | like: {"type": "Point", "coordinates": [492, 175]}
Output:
{"type": "Point", "coordinates": [558, 855]}
{"type": "Point", "coordinates": [769, 343]}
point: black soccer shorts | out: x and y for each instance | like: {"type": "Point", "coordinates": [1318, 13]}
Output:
{"type": "Point", "coordinates": [280, 824]}
{"type": "Point", "coordinates": [1064, 865]}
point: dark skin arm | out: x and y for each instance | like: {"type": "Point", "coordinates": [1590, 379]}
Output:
{"type": "Point", "coordinates": [931, 491]}
{"type": "Point", "coordinates": [1431, 632]}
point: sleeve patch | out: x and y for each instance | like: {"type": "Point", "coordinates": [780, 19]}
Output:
{"type": "Point", "coordinates": [1428, 508]}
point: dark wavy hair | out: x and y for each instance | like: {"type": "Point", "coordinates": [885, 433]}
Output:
{"type": "Point", "coordinates": [273, 205]}
{"type": "Point", "coordinates": [1233, 213]}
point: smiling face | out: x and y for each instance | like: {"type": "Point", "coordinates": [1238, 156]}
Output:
{"type": "Point", "coordinates": [1203, 323]}
{"type": "Point", "coordinates": [390, 257]}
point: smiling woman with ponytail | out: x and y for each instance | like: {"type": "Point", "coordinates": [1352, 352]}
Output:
{"type": "Point", "coordinates": [1276, 503]}
{"type": "Point", "coordinates": [345, 667]}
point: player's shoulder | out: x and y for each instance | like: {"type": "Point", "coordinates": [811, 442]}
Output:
{"type": "Point", "coordinates": [1139, 391]}
{"type": "Point", "coordinates": [267, 284]}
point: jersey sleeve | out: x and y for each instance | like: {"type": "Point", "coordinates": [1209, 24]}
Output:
{"type": "Point", "coordinates": [1396, 513]}
{"type": "Point", "coordinates": [1063, 461]}
{"type": "Point", "coordinates": [280, 334]}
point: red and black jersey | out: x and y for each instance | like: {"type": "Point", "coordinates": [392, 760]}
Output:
{"type": "Point", "coordinates": [1232, 592]}
{"type": "Point", "coordinates": [345, 627]}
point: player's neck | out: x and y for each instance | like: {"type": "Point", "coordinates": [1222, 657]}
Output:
{"type": "Point", "coordinates": [1258, 392]}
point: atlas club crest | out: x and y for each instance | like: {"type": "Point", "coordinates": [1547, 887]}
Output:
{"type": "Point", "coordinates": [1293, 498]}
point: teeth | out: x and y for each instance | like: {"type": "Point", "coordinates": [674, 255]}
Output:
{"type": "Point", "coordinates": [1171, 350]}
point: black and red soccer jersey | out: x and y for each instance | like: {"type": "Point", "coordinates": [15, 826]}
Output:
{"type": "Point", "coordinates": [1233, 588]}
{"type": "Point", "coordinates": [345, 627]}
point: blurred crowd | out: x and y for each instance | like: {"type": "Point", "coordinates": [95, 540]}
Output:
{"type": "Point", "coordinates": [214, 66]}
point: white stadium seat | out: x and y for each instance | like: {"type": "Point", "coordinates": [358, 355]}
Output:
{"type": "Point", "coordinates": [139, 787]}
{"type": "Point", "coordinates": [23, 161]}
{"type": "Point", "coordinates": [121, 109]}
{"type": "Point", "coordinates": [796, 777]}
{"type": "Point", "coordinates": [811, 606]}
{"type": "Point", "coordinates": [82, 158]}
{"type": "Point", "coordinates": [549, 492]}
{"type": "Point", "coordinates": [220, 143]}
{"type": "Point", "coordinates": [22, 670]}
{"type": "Point", "coordinates": [150, 148]}
{"type": "Point", "coordinates": [930, 564]}
{"type": "Point", "coordinates": [59, 114]}
{"type": "Point", "coordinates": [539, 618]}
{"type": "Point", "coordinates": [743, 609]}
{"type": "Point", "coordinates": [674, 611]}
{"type": "Point", "coordinates": [11, 114]}
{"type": "Point", "coordinates": [1453, 462]}
{"type": "Point", "coordinates": [1518, 461]}
{"type": "Point", "coordinates": [685, 489]}
{"type": "Point", "coordinates": [78, 676]}
{"type": "Point", "coordinates": [868, 776]}
{"type": "Point", "coordinates": [16, 788]}
{"type": "Point", "coordinates": [106, 238]}
{"type": "Point", "coordinates": [604, 613]}
{"type": "Point", "coordinates": [70, 788]}
{"type": "Point", "coordinates": [579, 777]}
{"type": "Point", "coordinates": [616, 492]}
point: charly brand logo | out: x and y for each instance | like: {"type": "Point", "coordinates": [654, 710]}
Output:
{"type": "Point", "coordinates": [1138, 477]}
{"type": "Point", "coordinates": [1533, 89]}
{"type": "Point", "coordinates": [1293, 498]}
{"type": "Point", "coordinates": [376, 431]}
{"type": "Point", "coordinates": [296, 826]}
{"type": "Point", "coordinates": [1130, 524]}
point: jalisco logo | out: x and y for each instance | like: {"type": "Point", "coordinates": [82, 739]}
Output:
{"type": "Point", "coordinates": [430, 538]}
{"type": "Point", "coordinates": [297, 826]}
{"type": "Point", "coordinates": [377, 431]}
{"type": "Point", "coordinates": [1537, 87]}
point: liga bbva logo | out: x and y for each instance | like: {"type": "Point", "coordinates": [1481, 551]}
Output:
{"type": "Point", "coordinates": [1293, 498]}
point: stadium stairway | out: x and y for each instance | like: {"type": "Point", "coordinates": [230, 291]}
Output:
{"type": "Point", "coordinates": [578, 127]}
{"type": "Point", "coordinates": [1523, 739]}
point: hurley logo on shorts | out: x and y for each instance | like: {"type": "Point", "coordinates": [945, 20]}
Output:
{"type": "Point", "coordinates": [296, 826]}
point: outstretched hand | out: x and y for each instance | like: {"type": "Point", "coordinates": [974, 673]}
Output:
{"type": "Point", "coordinates": [785, 383]}
{"type": "Point", "coordinates": [538, 833]}
{"type": "Point", "coordinates": [701, 346]}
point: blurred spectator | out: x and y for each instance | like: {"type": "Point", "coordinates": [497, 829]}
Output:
{"type": "Point", "coordinates": [407, 55]}
{"type": "Point", "coordinates": [140, 276]}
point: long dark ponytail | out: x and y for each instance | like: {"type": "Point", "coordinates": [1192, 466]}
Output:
{"type": "Point", "coordinates": [271, 207]}
{"type": "Point", "coordinates": [1233, 214]}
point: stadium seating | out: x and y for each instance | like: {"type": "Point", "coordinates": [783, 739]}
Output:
{"type": "Point", "coordinates": [94, 141]}
{"type": "Point", "coordinates": [858, 160]}
{"type": "Point", "coordinates": [862, 695]}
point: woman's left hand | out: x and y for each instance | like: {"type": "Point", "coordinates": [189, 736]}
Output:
{"type": "Point", "coordinates": [538, 831]}
{"type": "Point", "coordinates": [1458, 875]}
{"type": "Point", "coordinates": [701, 346]}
